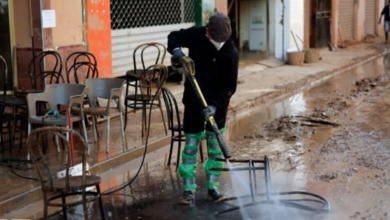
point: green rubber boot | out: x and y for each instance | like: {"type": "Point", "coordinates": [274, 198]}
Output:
{"type": "Point", "coordinates": [214, 152]}
{"type": "Point", "coordinates": [188, 167]}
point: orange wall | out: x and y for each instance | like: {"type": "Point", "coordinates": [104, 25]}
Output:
{"type": "Point", "coordinates": [98, 34]}
{"type": "Point", "coordinates": [222, 6]}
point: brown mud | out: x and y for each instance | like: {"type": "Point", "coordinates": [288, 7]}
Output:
{"type": "Point", "coordinates": [342, 143]}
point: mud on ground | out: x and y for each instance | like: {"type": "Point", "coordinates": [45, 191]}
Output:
{"type": "Point", "coordinates": [354, 159]}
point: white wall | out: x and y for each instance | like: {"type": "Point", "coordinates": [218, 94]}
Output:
{"type": "Point", "coordinates": [272, 31]}
{"type": "Point", "coordinates": [297, 24]}
{"type": "Point", "coordinates": [244, 22]}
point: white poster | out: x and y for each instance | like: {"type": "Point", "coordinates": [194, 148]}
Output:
{"type": "Point", "coordinates": [48, 18]}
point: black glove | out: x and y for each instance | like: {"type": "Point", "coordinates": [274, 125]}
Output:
{"type": "Point", "coordinates": [177, 55]}
{"type": "Point", "coordinates": [209, 111]}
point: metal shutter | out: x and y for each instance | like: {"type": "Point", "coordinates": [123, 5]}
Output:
{"type": "Point", "coordinates": [126, 40]}
{"type": "Point", "coordinates": [370, 17]}
{"type": "Point", "coordinates": [346, 18]}
{"type": "Point", "coordinates": [134, 22]}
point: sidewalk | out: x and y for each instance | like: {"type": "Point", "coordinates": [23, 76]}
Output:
{"type": "Point", "coordinates": [258, 86]}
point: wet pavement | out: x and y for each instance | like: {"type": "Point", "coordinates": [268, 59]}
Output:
{"type": "Point", "coordinates": [346, 164]}
{"type": "Point", "coordinates": [296, 157]}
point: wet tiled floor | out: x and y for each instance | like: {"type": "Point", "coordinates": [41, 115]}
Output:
{"type": "Point", "coordinates": [15, 191]}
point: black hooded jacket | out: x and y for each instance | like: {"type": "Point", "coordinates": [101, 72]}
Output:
{"type": "Point", "coordinates": [216, 71]}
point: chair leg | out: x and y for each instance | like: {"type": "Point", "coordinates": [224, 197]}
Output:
{"type": "Point", "coordinates": [97, 130]}
{"type": "Point", "coordinates": [126, 102]}
{"type": "Point", "coordinates": [21, 134]}
{"type": "Point", "coordinates": [84, 195]}
{"type": "Point", "coordinates": [94, 128]}
{"type": "Point", "coordinates": [122, 131]}
{"type": "Point", "coordinates": [143, 118]}
{"type": "Point", "coordinates": [28, 132]}
{"type": "Point", "coordinates": [178, 152]}
{"type": "Point", "coordinates": [85, 135]}
{"type": "Point", "coordinates": [67, 134]}
{"type": "Point", "coordinates": [135, 95]}
{"type": "Point", "coordinates": [100, 202]}
{"type": "Point", "coordinates": [64, 213]}
{"type": "Point", "coordinates": [2, 139]}
{"type": "Point", "coordinates": [162, 116]}
{"type": "Point", "coordinates": [108, 134]}
{"type": "Point", "coordinates": [10, 139]}
{"type": "Point", "coordinates": [170, 152]}
{"type": "Point", "coordinates": [57, 143]}
{"type": "Point", "coordinates": [45, 209]}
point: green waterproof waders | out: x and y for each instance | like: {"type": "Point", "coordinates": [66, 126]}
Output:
{"type": "Point", "coordinates": [214, 152]}
{"type": "Point", "coordinates": [187, 169]}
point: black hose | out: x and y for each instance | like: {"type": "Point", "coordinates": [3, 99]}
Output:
{"type": "Point", "coordinates": [129, 182]}
{"type": "Point", "coordinates": [286, 202]}
{"type": "Point", "coordinates": [145, 150]}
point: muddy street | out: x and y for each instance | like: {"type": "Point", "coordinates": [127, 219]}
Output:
{"type": "Point", "coordinates": [331, 139]}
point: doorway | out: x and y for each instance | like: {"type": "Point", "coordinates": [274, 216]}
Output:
{"type": "Point", "coordinates": [249, 21]}
{"type": "Point", "coordinates": [5, 39]}
{"type": "Point", "coordinates": [320, 23]}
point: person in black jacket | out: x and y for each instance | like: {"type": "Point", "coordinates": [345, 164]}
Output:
{"type": "Point", "coordinates": [216, 67]}
{"type": "Point", "coordinates": [386, 13]}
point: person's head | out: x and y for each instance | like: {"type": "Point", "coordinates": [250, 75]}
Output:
{"type": "Point", "coordinates": [219, 29]}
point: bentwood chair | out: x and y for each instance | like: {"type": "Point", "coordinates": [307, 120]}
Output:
{"type": "Point", "coordinates": [9, 120]}
{"type": "Point", "coordinates": [80, 66]}
{"type": "Point", "coordinates": [151, 82]}
{"type": "Point", "coordinates": [175, 125]}
{"type": "Point", "coordinates": [58, 174]}
{"type": "Point", "coordinates": [144, 56]}
{"type": "Point", "coordinates": [45, 68]}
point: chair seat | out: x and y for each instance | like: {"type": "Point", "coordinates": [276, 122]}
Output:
{"type": "Point", "coordinates": [74, 181]}
{"type": "Point", "coordinates": [6, 117]}
{"type": "Point", "coordinates": [177, 128]}
{"type": "Point", "coordinates": [51, 120]}
{"type": "Point", "coordinates": [132, 76]}
{"type": "Point", "coordinates": [140, 97]}
{"type": "Point", "coordinates": [95, 110]}
{"type": "Point", "coordinates": [11, 100]}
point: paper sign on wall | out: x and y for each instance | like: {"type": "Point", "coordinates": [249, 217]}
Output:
{"type": "Point", "coordinates": [48, 18]}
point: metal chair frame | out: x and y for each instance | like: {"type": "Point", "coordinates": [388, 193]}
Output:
{"type": "Point", "coordinates": [175, 125]}
{"type": "Point", "coordinates": [68, 95]}
{"type": "Point", "coordinates": [8, 118]}
{"type": "Point", "coordinates": [55, 187]}
{"type": "Point", "coordinates": [135, 75]}
{"type": "Point", "coordinates": [54, 73]}
{"type": "Point", "coordinates": [81, 59]}
{"type": "Point", "coordinates": [151, 82]}
{"type": "Point", "coordinates": [110, 89]}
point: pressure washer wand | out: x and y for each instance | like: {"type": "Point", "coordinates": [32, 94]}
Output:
{"type": "Point", "coordinates": [189, 69]}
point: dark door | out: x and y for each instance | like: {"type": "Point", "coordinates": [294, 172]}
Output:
{"type": "Point", "coordinates": [320, 28]}
{"type": "Point", "coordinates": [5, 41]}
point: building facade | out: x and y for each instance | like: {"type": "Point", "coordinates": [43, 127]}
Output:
{"type": "Point", "coordinates": [112, 29]}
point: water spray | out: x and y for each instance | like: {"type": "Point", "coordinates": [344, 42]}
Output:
{"type": "Point", "coordinates": [317, 202]}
